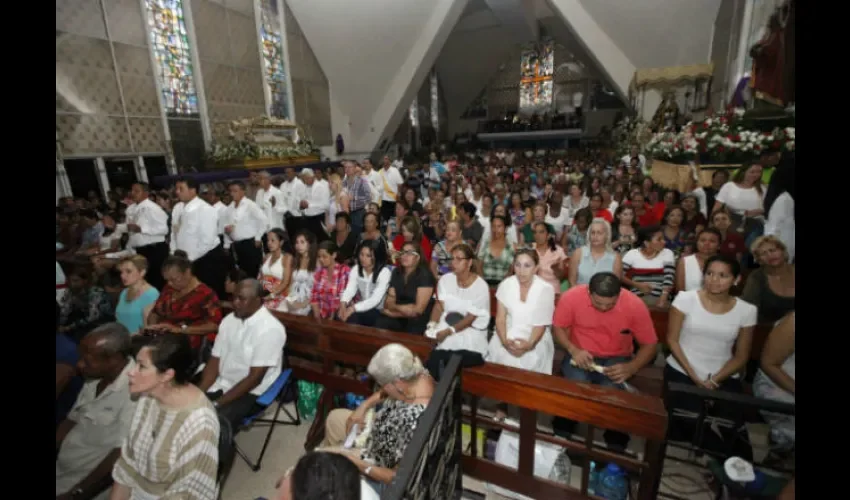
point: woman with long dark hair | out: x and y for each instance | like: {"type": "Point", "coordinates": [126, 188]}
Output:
{"type": "Point", "coordinates": [276, 270]}
{"type": "Point", "coordinates": [303, 271]}
{"type": "Point", "coordinates": [368, 282]}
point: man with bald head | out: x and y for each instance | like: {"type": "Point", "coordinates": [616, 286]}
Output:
{"type": "Point", "coordinates": [89, 439]}
{"type": "Point", "coordinates": [247, 356]}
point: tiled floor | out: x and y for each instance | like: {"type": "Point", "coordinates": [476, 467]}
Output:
{"type": "Point", "coordinates": [287, 445]}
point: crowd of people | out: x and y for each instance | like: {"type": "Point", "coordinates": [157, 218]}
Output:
{"type": "Point", "coordinates": [499, 253]}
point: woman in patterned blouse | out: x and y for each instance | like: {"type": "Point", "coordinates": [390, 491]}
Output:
{"type": "Point", "coordinates": [171, 450]}
{"type": "Point", "coordinates": [185, 305]}
{"type": "Point", "coordinates": [329, 282]}
{"type": "Point", "coordinates": [496, 255]}
{"type": "Point", "coordinates": [441, 258]}
{"type": "Point", "coordinates": [404, 391]}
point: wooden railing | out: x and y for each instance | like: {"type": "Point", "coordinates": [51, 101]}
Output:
{"type": "Point", "coordinates": [317, 347]}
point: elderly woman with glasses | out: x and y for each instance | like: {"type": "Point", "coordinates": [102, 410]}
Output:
{"type": "Point", "coordinates": [404, 391]}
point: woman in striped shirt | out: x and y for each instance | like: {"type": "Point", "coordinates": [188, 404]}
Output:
{"type": "Point", "coordinates": [649, 269]}
{"type": "Point", "coordinates": [172, 448]}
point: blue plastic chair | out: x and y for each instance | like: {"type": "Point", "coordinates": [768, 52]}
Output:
{"type": "Point", "coordinates": [275, 392]}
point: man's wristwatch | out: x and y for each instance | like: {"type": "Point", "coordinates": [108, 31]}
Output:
{"type": "Point", "coordinates": [367, 471]}
{"type": "Point", "coordinates": [77, 493]}
{"type": "Point", "coordinates": [452, 329]}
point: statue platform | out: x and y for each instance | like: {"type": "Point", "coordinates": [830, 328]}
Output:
{"type": "Point", "coordinates": [679, 176]}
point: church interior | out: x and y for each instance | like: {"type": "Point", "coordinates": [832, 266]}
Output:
{"type": "Point", "coordinates": [621, 115]}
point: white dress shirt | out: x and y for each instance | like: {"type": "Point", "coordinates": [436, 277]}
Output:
{"type": "Point", "coordinates": [372, 294]}
{"type": "Point", "coordinates": [152, 221]}
{"type": "Point", "coordinates": [318, 198]}
{"type": "Point", "coordinates": [390, 178]}
{"type": "Point", "coordinates": [221, 208]}
{"type": "Point", "coordinates": [274, 214]}
{"type": "Point", "coordinates": [375, 183]}
{"type": "Point", "coordinates": [248, 222]}
{"type": "Point", "coordinates": [255, 342]}
{"type": "Point", "coordinates": [194, 228]}
{"type": "Point", "coordinates": [290, 190]}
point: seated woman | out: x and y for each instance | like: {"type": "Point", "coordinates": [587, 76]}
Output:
{"type": "Point", "coordinates": [405, 389]}
{"type": "Point", "coordinates": [410, 231]}
{"type": "Point", "coordinates": [624, 229]}
{"type": "Point", "coordinates": [771, 287]}
{"type": "Point", "coordinates": [441, 258]}
{"type": "Point", "coordinates": [552, 256]}
{"type": "Point", "coordinates": [171, 408]}
{"type": "Point", "coordinates": [408, 304]}
{"type": "Point", "coordinates": [577, 234]}
{"type": "Point", "coordinates": [368, 281]}
{"type": "Point", "coordinates": [276, 271]}
{"type": "Point", "coordinates": [776, 380]}
{"type": "Point", "coordinates": [538, 215]}
{"type": "Point", "coordinates": [526, 305]}
{"type": "Point", "coordinates": [675, 236]}
{"type": "Point", "coordinates": [689, 269]}
{"type": "Point", "coordinates": [462, 311]}
{"type": "Point", "coordinates": [496, 253]}
{"type": "Point", "coordinates": [303, 273]}
{"type": "Point", "coordinates": [596, 257]}
{"type": "Point", "coordinates": [138, 297]}
{"type": "Point", "coordinates": [694, 221]}
{"type": "Point", "coordinates": [710, 334]}
{"type": "Point", "coordinates": [371, 229]}
{"type": "Point", "coordinates": [329, 281]}
{"type": "Point", "coordinates": [344, 239]}
{"type": "Point", "coordinates": [650, 268]}
{"type": "Point", "coordinates": [731, 242]}
{"type": "Point", "coordinates": [186, 305]}
{"type": "Point", "coordinates": [84, 306]}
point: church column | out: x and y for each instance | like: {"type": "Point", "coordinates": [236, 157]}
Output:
{"type": "Point", "coordinates": [141, 171]}
{"type": "Point", "coordinates": [206, 129]}
{"type": "Point", "coordinates": [102, 179]}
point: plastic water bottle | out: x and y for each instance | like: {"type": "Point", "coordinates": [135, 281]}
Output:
{"type": "Point", "coordinates": [613, 484]}
{"type": "Point", "coordinates": [592, 479]}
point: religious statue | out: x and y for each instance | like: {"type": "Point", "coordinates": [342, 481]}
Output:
{"type": "Point", "coordinates": [773, 56]}
{"type": "Point", "coordinates": [667, 115]}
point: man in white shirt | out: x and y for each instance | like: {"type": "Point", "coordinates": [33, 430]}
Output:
{"type": "Point", "coordinates": [314, 200]}
{"type": "Point", "coordinates": [374, 180]}
{"type": "Point", "coordinates": [271, 201]}
{"type": "Point", "coordinates": [212, 197]}
{"type": "Point", "coordinates": [247, 356]}
{"type": "Point", "coordinates": [147, 224]}
{"type": "Point", "coordinates": [290, 189]}
{"type": "Point", "coordinates": [391, 180]}
{"type": "Point", "coordinates": [89, 439]}
{"type": "Point", "coordinates": [634, 152]}
{"type": "Point", "coordinates": [194, 229]}
{"type": "Point", "coordinates": [244, 228]}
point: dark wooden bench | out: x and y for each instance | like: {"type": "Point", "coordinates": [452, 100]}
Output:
{"type": "Point", "coordinates": [316, 348]}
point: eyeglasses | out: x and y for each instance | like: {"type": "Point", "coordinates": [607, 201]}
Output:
{"type": "Point", "coordinates": [408, 252]}
{"type": "Point", "coordinates": [459, 258]}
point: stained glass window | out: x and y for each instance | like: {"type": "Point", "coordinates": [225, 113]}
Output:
{"type": "Point", "coordinates": [171, 48]}
{"type": "Point", "coordinates": [273, 59]}
{"type": "Point", "coordinates": [537, 67]}
{"type": "Point", "coordinates": [435, 101]}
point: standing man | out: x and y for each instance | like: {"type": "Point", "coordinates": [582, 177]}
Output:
{"type": "Point", "coordinates": [314, 200]}
{"type": "Point", "coordinates": [360, 194]}
{"type": "Point", "coordinates": [374, 179]}
{"type": "Point", "coordinates": [271, 201]}
{"type": "Point", "coordinates": [597, 324]}
{"type": "Point", "coordinates": [390, 182]}
{"type": "Point", "coordinates": [292, 214]}
{"type": "Point", "coordinates": [211, 196]}
{"type": "Point", "coordinates": [147, 224]}
{"type": "Point", "coordinates": [244, 228]}
{"type": "Point", "coordinates": [194, 229]}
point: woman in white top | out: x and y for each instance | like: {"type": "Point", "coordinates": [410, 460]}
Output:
{"type": "Point", "coordinates": [779, 205]}
{"type": "Point", "coordinates": [461, 313]}
{"type": "Point", "coordinates": [710, 334]}
{"type": "Point", "coordinates": [526, 305]}
{"type": "Point", "coordinates": [776, 380]}
{"type": "Point", "coordinates": [276, 271]}
{"type": "Point", "coordinates": [368, 280]}
{"type": "Point", "coordinates": [339, 201]}
{"type": "Point", "coordinates": [689, 268]}
{"type": "Point", "coordinates": [557, 216]}
{"type": "Point", "coordinates": [743, 196]}
{"type": "Point", "coordinates": [303, 271]}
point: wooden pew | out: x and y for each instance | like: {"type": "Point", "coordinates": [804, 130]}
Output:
{"type": "Point", "coordinates": [315, 347]}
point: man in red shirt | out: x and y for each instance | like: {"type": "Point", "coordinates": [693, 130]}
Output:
{"type": "Point", "coordinates": [597, 324]}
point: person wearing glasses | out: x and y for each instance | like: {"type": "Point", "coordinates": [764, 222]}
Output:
{"type": "Point", "coordinates": [408, 304]}
{"type": "Point", "coordinates": [462, 311]}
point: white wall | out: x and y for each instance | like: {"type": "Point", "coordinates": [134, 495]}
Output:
{"type": "Point", "coordinates": [375, 55]}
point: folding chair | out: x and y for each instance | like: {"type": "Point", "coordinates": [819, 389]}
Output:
{"type": "Point", "coordinates": [276, 392]}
